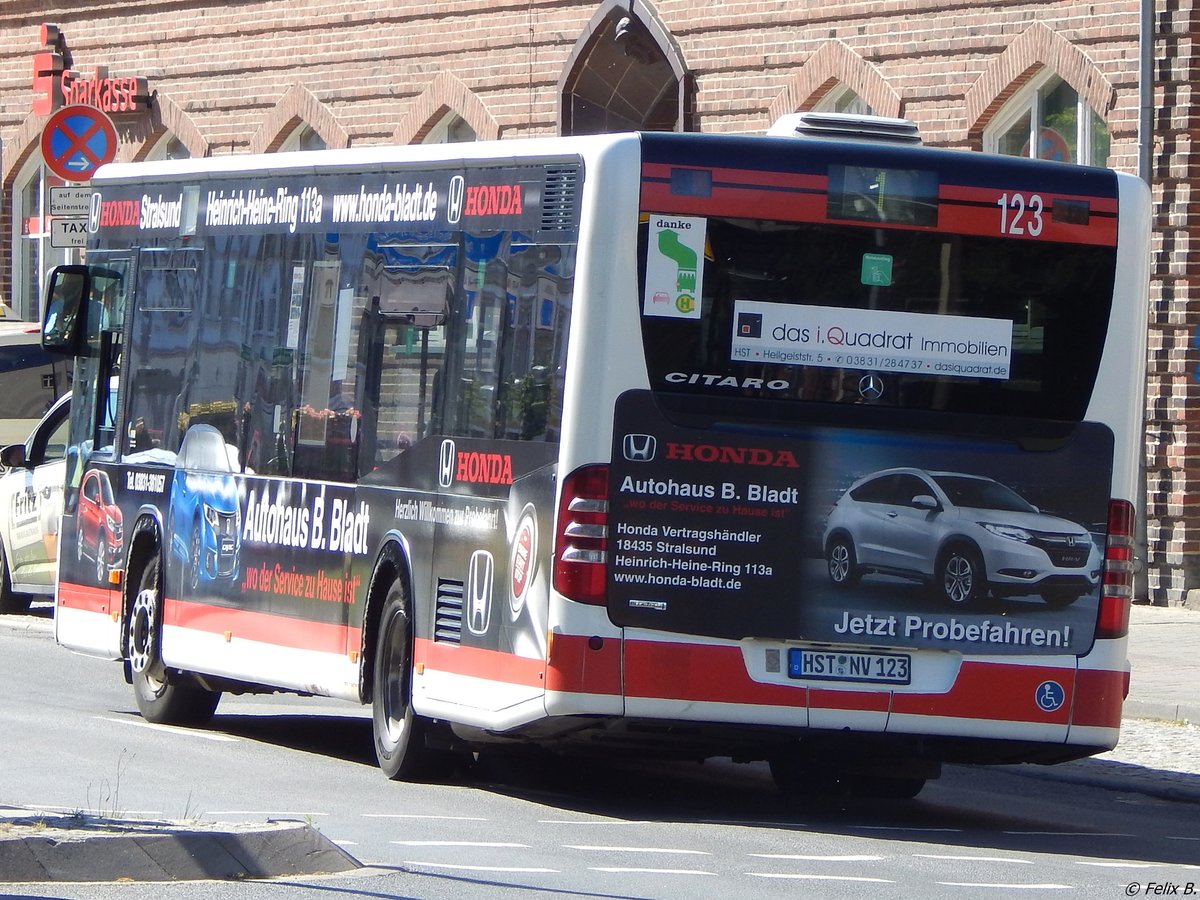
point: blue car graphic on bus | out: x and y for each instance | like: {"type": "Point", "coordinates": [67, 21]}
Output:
{"type": "Point", "coordinates": [205, 518]}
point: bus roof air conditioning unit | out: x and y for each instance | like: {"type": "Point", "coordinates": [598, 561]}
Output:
{"type": "Point", "coordinates": [844, 126]}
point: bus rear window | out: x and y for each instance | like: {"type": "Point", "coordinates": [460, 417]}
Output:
{"type": "Point", "coordinates": [911, 319]}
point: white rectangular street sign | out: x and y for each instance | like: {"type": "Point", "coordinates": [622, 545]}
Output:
{"type": "Point", "coordinates": [66, 233]}
{"type": "Point", "coordinates": [70, 201]}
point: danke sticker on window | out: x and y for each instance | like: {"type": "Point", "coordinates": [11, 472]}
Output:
{"type": "Point", "coordinates": [675, 267]}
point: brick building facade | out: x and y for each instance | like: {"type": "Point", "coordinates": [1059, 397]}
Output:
{"type": "Point", "coordinates": [261, 75]}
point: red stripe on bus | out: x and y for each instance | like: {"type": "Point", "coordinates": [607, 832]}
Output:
{"type": "Point", "coordinates": [265, 628]}
{"type": "Point", "coordinates": [575, 666]}
{"type": "Point", "coordinates": [476, 662]}
{"type": "Point", "coordinates": [87, 599]}
{"type": "Point", "coordinates": [983, 690]}
{"type": "Point", "coordinates": [700, 673]}
{"type": "Point", "coordinates": [962, 209]}
{"type": "Point", "coordinates": [994, 691]}
{"type": "Point", "coordinates": [1098, 698]}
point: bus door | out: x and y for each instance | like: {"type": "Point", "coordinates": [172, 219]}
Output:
{"type": "Point", "coordinates": [87, 597]}
{"type": "Point", "coordinates": [496, 469]}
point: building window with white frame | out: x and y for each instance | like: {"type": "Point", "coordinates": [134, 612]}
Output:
{"type": "Point", "coordinates": [304, 137]}
{"type": "Point", "coordinates": [1048, 119]}
{"type": "Point", "coordinates": [32, 252]}
{"type": "Point", "coordinates": [841, 99]}
{"type": "Point", "coordinates": [451, 129]}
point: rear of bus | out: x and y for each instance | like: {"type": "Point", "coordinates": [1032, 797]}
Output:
{"type": "Point", "coordinates": [869, 501]}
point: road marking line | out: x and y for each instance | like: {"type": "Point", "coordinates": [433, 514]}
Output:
{"type": "Point", "coordinates": [1009, 886]}
{"type": "Point", "coordinates": [418, 816]}
{"type": "Point", "coordinates": [594, 822]}
{"type": "Point", "coordinates": [1117, 865]}
{"type": "Point", "coordinates": [634, 849]}
{"type": "Point", "coordinates": [265, 813]}
{"type": "Point", "coordinates": [632, 870]}
{"type": "Point", "coordinates": [803, 877]}
{"type": "Point", "coordinates": [900, 828]}
{"type": "Point", "coordinates": [459, 844]}
{"type": "Point", "coordinates": [170, 729]}
{"type": "Point", "coordinates": [799, 857]}
{"type": "Point", "coordinates": [995, 859]}
{"type": "Point", "coordinates": [514, 869]}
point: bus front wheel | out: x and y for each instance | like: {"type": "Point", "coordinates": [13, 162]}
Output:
{"type": "Point", "coordinates": [399, 732]}
{"type": "Point", "coordinates": [164, 696]}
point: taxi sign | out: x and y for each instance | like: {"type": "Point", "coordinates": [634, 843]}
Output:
{"type": "Point", "coordinates": [67, 233]}
{"type": "Point", "coordinates": [76, 141]}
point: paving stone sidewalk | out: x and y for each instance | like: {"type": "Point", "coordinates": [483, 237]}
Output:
{"type": "Point", "coordinates": [1159, 749]}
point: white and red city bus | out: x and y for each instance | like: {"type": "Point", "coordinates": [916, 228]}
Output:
{"type": "Point", "coordinates": [816, 451]}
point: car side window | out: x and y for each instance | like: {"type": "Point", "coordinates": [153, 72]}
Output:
{"type": "Point", "coordinates": [907, 487]}
{"type": "Point", "coordinates": [49, 441]}
{"type": "Point", "coordinates": [878, 490]}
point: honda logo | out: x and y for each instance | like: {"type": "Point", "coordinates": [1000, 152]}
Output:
{"type": "Point", "coordinates": [454, 199]}
{"type": "Point", "coordinates": [479, 591]}
{"type": "Point", "coordinates": [640, 447]}
{"type": "Point", "coordinates": [446, 464]}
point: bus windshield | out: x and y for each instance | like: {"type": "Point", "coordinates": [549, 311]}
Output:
{"type": "Point", "coordinates": [958, 323]}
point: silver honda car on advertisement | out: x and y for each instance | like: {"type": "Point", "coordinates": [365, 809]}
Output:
{"type": "Point", "coordinates": [964, 534]}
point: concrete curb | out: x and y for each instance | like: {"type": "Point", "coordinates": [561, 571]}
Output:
{"type": "Point", "coordinates": [49, 847]}
{"type": "Point", "coordinates": [1121, 777]}
{"type": "Point", "coordinates": [1162, 712]}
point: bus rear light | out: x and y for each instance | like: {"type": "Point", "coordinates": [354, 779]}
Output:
{"type": "Point", "coordinates": [581, 536]}
{"type": "Point", "coordinates": [1116, 590]}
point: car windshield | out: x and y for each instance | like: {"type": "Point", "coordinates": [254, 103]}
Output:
{"type": "Point", "coordinates": [982, 493]}
{"type": "Point", "coordinates": [206, 452]}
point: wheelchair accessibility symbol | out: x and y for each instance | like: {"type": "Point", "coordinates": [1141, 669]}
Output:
{"type": "Point", "coordinates": [1050, 696]}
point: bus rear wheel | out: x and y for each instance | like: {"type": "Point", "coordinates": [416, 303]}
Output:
{"type": "Point", "coordinates": [164, 696]}
{"type": "Point", "coordinates": [399, 732]}
{"type": "Point", "coordinates": [801, 779]}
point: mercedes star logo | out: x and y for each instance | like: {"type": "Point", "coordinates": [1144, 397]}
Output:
{"type": "Point", "coordinates": [870, 387]}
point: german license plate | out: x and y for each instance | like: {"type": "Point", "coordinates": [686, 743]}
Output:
{"type": "Point", "coordinates": [840, 665]}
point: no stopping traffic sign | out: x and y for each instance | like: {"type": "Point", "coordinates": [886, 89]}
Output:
{"type": "Point", "coordinates": [76, 141]}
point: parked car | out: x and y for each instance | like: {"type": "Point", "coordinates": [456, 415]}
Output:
{"type": "Point", "coordinates": [31, 502]}
{"type": "Point", "coordinates": [100, 523]}
{"type": "Point", "coordinates": [205, 517]}
{"type": "Point", "coordinates": [965, 534]}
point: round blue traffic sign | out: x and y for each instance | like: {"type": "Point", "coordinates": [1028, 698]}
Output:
{"type": "Point", "coordinates": [76, 141]}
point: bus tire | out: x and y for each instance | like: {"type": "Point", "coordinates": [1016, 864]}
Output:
{"type": "Point", "coordinates": [399, 732]}
{"type": "Point", "coordinates": [164, 696]}
{"type": "Point", "coordinates": [10, 600]}
{"type": "Point", "coordinates": [842, 563]}
{"type": "Point", "coordinates": [960, 578]}
{"type": "Point", "coordinates": [888, 787]}
{"type": "Point", "coordinates": [801, 780]}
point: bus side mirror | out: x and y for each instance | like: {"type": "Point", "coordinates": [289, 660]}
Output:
{"type": "Point", "coordinates": [62, 328]}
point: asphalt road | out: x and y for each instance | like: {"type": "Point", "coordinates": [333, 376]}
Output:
{"type": "Point", "coordinates": [71, 741]}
